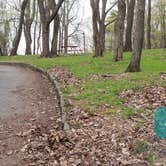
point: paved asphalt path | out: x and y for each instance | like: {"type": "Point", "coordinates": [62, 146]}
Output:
{"type": "Point", "coordinates": [27, 99]}
{"type": "Point", "coordinates": [11, 78]}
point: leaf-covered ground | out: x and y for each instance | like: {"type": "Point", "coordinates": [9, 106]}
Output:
{"type": "Point", "coordinates": [111, 113]}
{"type": "Point", "coordinates": [122, 138]}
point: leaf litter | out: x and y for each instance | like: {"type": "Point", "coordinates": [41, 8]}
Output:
{"type": "Point", "coordinates": [96, 140]}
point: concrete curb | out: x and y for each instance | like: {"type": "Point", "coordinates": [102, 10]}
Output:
{"type": "Point", "coordinates": [52, 79]}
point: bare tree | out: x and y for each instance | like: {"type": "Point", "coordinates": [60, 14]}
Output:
{"type": "Point", "coordinates": [162, 17]}
{"type": "Point", "coordinates": [148, 34]}
{"type": "Point", "coordinates": [54, 43]}
{"type": "Point", "coordinates": [99, 27]}
{"type": "Point", "coordinates": [138, 37]}
{"type": "Point", "coordinates": [129, 17]}
{"type": "Point", "coordinates": [4, 29]}
{"type": "Point", "coordinates": [158, 24]}
{"type": "Point", "coordinates": [69, 21]}
{"type": "Point", "coordinates": [66, 24]}
{"type": "Point", "coordinates": [29, 17]}
{"type": "Point", "coordinates": [19, 31]}
{"type": "Point", "coordinates": [35, 30]}
{"type": "Point", "coordinates": [46, 17]}
{"type": "Point", "coordinates": [38, 40]}
{"type": "Point", "coordinates": [1, 53]}
{"type": "Point", "coordinates": [119, 31]}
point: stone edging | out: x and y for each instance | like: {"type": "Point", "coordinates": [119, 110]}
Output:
{"type": "Point", "coordinates": [52, 79]}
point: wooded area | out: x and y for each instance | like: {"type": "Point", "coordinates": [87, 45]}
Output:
{"type": "Point", "coordinates": [53, 27]}
{"type": "Point", "coordinates": [83, 82]}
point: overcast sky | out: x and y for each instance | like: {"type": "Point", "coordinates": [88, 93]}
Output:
{"type": "Point", "coordinates": [85, 5]}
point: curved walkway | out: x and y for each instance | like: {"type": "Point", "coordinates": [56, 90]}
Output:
{"type": "Point", "coordinates": [27, 100]}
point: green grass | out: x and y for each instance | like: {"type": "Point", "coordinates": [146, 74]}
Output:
{"type": "Point", "coordinates": [141, 146]}
{"type": "Point", "coordinates": [82, 66]}
{"type": "Point", "coordinates": [104, 91]}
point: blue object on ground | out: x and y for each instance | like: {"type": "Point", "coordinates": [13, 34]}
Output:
{"type": "Point", "coordinates": [160, 122]}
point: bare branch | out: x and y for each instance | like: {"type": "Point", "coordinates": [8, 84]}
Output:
{"type": "Point", "coordinates": [110, 22]}
{"type": "Point", "coordinates": [111, 7]}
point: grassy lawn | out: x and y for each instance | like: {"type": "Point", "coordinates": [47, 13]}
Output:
{"type": "Point", "coordinates": [95, 89]}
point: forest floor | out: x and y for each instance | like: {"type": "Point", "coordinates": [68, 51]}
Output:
{"type": "Point", "coordinates": [111, 113]}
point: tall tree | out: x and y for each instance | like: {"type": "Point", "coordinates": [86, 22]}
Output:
{"type": "Point", "coordinates": [56, 26]}
{"type": "Point", "coordinates": [1, 53]}
{"type": "Point", "coordinates": [54, 43]}
{"type": "Point", "coordinates": [158, 22]}
{"type": "Point", "coordinates": [4, 28]}
{"type": "Point", "coordinates": [17, 38]}
{"type": "Point", "coordinates": [46, 17]}
{"type": "Point", "coordinates": [66, 25]}
{"type": "Point", "coordinates": [162, 18]}
{"type": "Point", "coordinates": [29, 17]}
{"type": "Point", "coordinates": [129, 25]}
{"type": "Point", "coordinates": [138, 37]}
{"type": "Point", "coordinates": [36, 28]}
{"type": "Point", "coordinates": [70, 22]}
{"type": "Point", "coordinates": [98, 23]}
{"type": "Point", "coordinates": [119, 31]}
{"type": "Point", "coordinates": [3, 43]}
{"type": "Point", "coordinates": [148, 34]}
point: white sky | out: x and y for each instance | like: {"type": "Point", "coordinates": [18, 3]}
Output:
{"type": "Point", "coordinates": [85, 5]}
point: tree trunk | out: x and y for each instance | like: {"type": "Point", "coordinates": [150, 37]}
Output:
{"type": "Point", "coordinates": [119, 31]}
{"type": "Point", "coordinates": [34, 38]}
{"type": "Point", "coordinates": [94, 7]}
{"type": "Point", "coordinates": [66, 39]}
{"type": "Point", "coordinates": [60, 40]}
{"type": "Point", "coordinates": [98, 24]}
{"type": "Point", "coordinates": [47, 14]}
{"type": "Point", "coordinates": [1, 53]}
{"type": "Point", "coordinates": [55, 36]}
{"type": "Point", "coordinates": [19, 32]}
{"type": "Point", "coordinates": [28, 40]}
{"type": "Point", "coordinates": [38, 40]}
{"type": "Point", "coordinates": [65, 25]}
{"type": "Point", "coordinates": [29, 17]}
{"type": "Point", "coordinates": [148, 37]}
{"type": "Point", "coordinates": [164, 39]}
{"type": "Point", "coordinates": [45, 40]}
{"type": "Point", "coordinates": [138, 37]}
{"type": "Point", "coordinates": [130, 16]}
{"type": "Point", "coordinates": [164, 32]}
